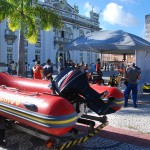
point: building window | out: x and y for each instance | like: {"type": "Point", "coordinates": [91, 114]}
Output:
{"type": "Point", "coordinates": [62, 34]}
{"type": "Point", "coordinates": [81, 32]}
{"type": "Point", "coordinates": [88, 58]}
{"type": "Point", "coordinates": [69, 33]}
{"type": "Point", "coordinates": [39, 38]}
{"type": "Point", "coordinates": [9, 42]}
{"type": "Point", "coordinates": [26, 55]}
{"type": "Point", "coordinates": [38, 44]}
{"type": "Point", "coordinates": [81, 57]}
{"type": "Point", "coordinates": [7, 25]}
{"type": "Point", "coordinates": [95, 57]}
{"type": "Point", "coordinates": [9, 54]}
{"type": "Point", "coordinates": [56, 33]}
{"type": "Point", "coordinates": [39, 35]}
{"type": "Point", "coordinates": [37, 54]}
{"type": "Point", "coordinates": [25, 43]}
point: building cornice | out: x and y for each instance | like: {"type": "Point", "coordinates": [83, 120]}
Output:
{"type": "Point", "coordinates": [72, 18]}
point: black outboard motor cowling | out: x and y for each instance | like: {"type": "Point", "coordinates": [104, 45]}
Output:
{"type": "Point", "coordinates": [73, 79]}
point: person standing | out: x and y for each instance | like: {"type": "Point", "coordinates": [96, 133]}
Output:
{"type": "Point", "coordinates": [48, 70]}
{"type": "Point", "coordinates": [32, 64]}
{"type": "Point", "coordinates": [60, 63]}
{"type": "Point", "coordinates": [98, 66]}
{"type": "Point", "coordinates": [122, 70]}
{"type": "Point", "coordinates": [37, 71]}
{"type": "Point", "coordinates": [132, 76]}
{"type": "Point", "coordinates": [86, 70]}
{"type": "Point", "coordinates": [13, 67]}
{"type": "Point", "coordinates": [82, 66]}
{"type": "Point", "coordinates": [9, 70]}
{"type": "Point", "coordinates": [93, 68]}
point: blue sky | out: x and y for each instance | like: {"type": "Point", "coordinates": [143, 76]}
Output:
{"type": "Point", "coordinates": [127, 15]}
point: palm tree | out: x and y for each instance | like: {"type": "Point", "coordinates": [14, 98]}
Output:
{"type": "Point", "coordinates": [27, 17]}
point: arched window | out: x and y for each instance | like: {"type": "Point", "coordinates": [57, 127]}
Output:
{"type": "Point", "coordinates": [47, 1]}
{"type": "Point", "coordinates": [62, 32]}
{"type": "Point", "coordinates": [65, 55]}
{"type": "Point", "coordinates": [81, 32]}
{"type": "Point", "coordinates": [87, 32]}
{"type": "Point", "coordinates": [69, 33]}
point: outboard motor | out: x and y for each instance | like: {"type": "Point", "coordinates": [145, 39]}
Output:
{"type": "Point", "coordinates": [73, 85]}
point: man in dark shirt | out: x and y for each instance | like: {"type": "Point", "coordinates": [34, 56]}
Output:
{"type": "Point", "coordinates": [132, 76]}
{"type": "Point", "coordinates": [48, 70]}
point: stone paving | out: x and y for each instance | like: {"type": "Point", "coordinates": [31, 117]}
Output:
{"type": "Point", "coordinates": [99, 143]}
{"type": "Point", "coordinates": [103, 141]}
{"type": "Point", "coordinates": [135, 119]}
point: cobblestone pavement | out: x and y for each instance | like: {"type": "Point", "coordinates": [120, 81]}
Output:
{"type": "Point", "coordinates": [110, 138]}
{"type": "Point", "coordinates": [21, 141]}
{"type": "Point", "coordinates": [135, 119]}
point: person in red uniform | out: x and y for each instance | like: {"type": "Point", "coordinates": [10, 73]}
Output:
{"type": "Point", "coordinates": [86, 70]}
{"type": "Point", "coordinates": [38, 71]}
{"type": "Point", "coordinates": [98, 66]}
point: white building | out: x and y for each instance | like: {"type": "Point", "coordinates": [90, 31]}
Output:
{"type": "Point", "coordinates": [50, 44]}
{"type": "Point", "coordinates": [147, 27]}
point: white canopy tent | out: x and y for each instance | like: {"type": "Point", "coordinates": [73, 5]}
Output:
{"type": "Point", "coordinates": [143, 61]}
{"type": "Point", "coordinates": [116, 42]}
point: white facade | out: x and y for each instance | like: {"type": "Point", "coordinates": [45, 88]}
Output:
{"type": "Point", "coordinates": [51, 43]}
{"type": "Point", "coordinates": [147, 27]}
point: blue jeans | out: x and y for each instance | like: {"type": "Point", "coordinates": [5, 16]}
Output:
{"type": "Point", "coordinates": [129, 88]}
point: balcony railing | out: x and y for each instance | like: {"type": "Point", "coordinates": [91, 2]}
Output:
{"type": "Point", "coordinates": [61, 40]}
{"type": "Point", "coordinates": [10, 35]}
{"type": "Point", "coordinates": [75, 18]}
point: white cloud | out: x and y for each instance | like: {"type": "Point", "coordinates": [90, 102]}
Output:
{"type": "Point", "coordinates": [88, 7]}
{"type": "Point", "coordinates": [114, 14]}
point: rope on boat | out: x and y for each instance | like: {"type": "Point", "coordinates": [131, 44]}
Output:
{"type": "Point", "coordinates": [18, 91]}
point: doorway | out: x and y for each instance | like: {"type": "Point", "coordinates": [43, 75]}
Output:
{"type": "Point", "coordinates": [65, 55]}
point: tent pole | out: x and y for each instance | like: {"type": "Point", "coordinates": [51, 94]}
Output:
{"type": "Point", "coordinates": [136, 57]}
{"type": "Point", "coordinates": [101, 61]}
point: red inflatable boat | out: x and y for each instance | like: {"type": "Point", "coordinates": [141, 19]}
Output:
{"type": "Point", "coordinates": [31, 102]}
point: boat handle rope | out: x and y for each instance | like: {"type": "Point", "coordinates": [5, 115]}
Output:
{"type": "Point", "coordinates": [31, 94]}
{"type": "Point", "coordinates": [9, 88]}
{"type": "Point", "coordinates": [18, 91]}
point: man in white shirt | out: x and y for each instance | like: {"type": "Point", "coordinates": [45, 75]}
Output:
{"type": "Point", "coordinates": [32, 64]}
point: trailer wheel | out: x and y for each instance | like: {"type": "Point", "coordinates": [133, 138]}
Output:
{"type": "Point", "coordinates": [50, 143]}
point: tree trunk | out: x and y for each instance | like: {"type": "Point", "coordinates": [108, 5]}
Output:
{"type": "Point", "coordinates": [21, 57]}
